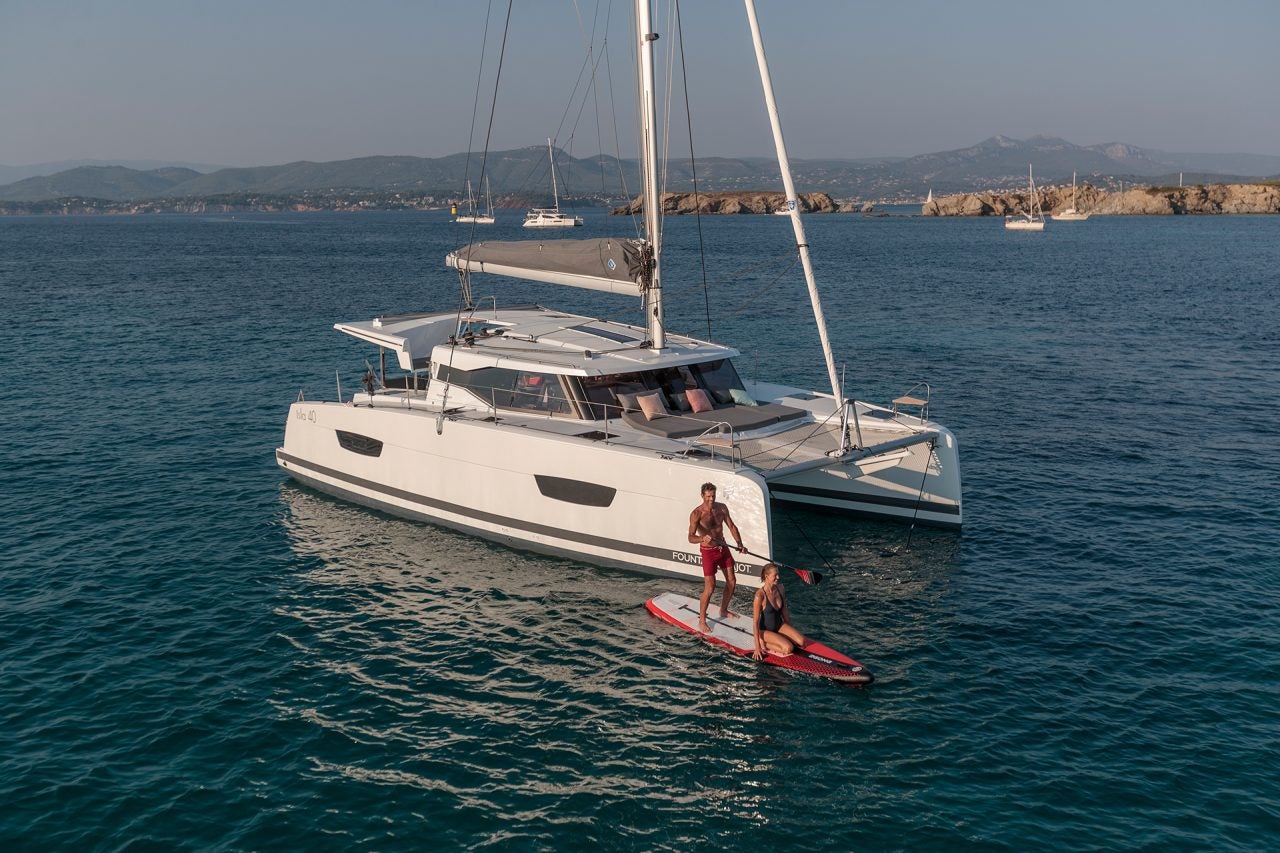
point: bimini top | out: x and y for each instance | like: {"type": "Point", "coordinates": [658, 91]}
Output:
{"type": "Point", "coordinates": [530, 337]}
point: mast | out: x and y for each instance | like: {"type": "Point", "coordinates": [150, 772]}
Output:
{"type": "Point", "coordinates": [649, 170]}
{"type": "Point", "coordinates": [801, 242]}
{"type": "Point", "coordinates": [1031, 188]}
{"type": "Point", "coordinates": [552, 157]}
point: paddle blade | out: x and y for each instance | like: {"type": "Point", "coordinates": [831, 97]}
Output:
{"type": "Point", "coordinates": [809, 576]}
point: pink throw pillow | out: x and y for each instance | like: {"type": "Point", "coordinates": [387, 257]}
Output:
{"type": "Point", "coordinates": [651, 405]}
{"type": "Point", "coordinates": [698, 400]}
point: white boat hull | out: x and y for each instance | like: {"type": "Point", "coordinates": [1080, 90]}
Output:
{"type": "Point", "coordinates": [483, 478]}
{"type": "Point", "coordinates": [1071, 216]}
{"type": "Point", "coordinates": [1024, 224]}
{"type": "Point", "coordinates": [550, 487]}
{"type": "Point", "coordinates": [895, 486]}
{"type": "Point", "coordinates": [558, 220]}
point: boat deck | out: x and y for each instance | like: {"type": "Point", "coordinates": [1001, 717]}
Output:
{"type": "Point", "coordinates": [771, 450]}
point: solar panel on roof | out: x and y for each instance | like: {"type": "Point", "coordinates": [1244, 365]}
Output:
{"type": "Point", "coordinates": [608, 334]}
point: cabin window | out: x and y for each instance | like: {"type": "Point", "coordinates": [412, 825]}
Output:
{"type": "Point", "coordinates": [674, 381]}
{"type": "Point", "coordinates": [719, 378]}
{"type": "Point", "coordinates": [541, 392]}
{"type": "Point", "coordinates": [505, 388]}
{"type": "Point", "coordinates": [602, 392]}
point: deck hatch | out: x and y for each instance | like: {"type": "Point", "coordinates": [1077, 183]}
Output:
{"type": "Point", "coordinates": [575, 491]}
{"type": "Point", "coordinates": [608, 334]}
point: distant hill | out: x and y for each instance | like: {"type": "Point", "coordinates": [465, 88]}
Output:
{"type": "Point", "coordinates": [522, 174]}
{"type": "Point", "coordinates": [111, 182]}
{"type": "Point", "coordinates": [1002, 162]}
{"type": "Point", "coordinates": [11, 174]}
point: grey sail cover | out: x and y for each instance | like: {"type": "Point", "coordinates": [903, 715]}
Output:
{"type": "Point", "coordinates": [609, 264]}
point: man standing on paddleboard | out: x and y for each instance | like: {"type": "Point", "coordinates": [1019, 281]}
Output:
{"type": "Point", "coordinates": [706, 527]}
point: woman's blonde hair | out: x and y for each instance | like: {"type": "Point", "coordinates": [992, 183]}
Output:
{"type": "Point", "coordinates": [767, 567]}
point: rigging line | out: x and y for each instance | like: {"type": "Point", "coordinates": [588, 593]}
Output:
{"type": "Point", "coordinates": [636, 219]}
{"type": "Point", "coordinates": [738, 273]}
{"type": "Point", "coordinates": [594, 64]}
{"type": "Point", "coordinates": [591, 63]}
{"type": "Point", "coordinates": [811, 545]}
{"type": "Point", "coordinates": [484, 159]}
{"type": "Point", "coordinates": [617, 143]}
{"type": "Point", "coordinates": [595, 87]}
{"type": "Point", "coordinates": [928, 457]}
{"type": "Point", "coordinates": [586, 63]}
{"type": "Point", "coordinates": [762, 291]}
{"type": "Point", "coordinates": [475, 104]}
{"type": "Point", "coordinates": [666, 124]}
{"type": "Point", "coordinates": [693, 168]}
{"type": "Point", "coordinates": [573, 94]}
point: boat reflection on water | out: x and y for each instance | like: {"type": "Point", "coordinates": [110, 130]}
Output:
{"type": "Point", "coordinates": [469, 609]}
{"type": "Point", "coordinates": [452, 607]}
{"type": "Point", "coordinates": [513, 682]}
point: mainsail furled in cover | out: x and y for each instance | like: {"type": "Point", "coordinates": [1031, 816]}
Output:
{"type": "Point", "coordinates": [609, 264]}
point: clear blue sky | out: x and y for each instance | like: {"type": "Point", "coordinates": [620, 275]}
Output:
{"type": "Point", "coordinates": [235, 82]}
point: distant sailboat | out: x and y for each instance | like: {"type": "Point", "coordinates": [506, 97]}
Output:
{"type": "Point", "coordinates": [929, 200]}
{"type": "Point", "coordinates": [1033, 219]}
{"type": "Point", "coordinates": [485, 218]}
{"type": "Point", "coordinates": [551, 217]}
{"type": "Point", "coordinates": [1071, 214]}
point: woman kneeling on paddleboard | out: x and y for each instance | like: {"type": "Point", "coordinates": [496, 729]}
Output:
{"type": "Point", "coordinates": [773, 629]}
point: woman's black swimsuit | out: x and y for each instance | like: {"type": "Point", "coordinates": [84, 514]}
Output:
{"type": "Point", "coordinates": [770, 616]}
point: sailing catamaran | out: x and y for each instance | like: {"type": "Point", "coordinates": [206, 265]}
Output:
{"type": "Point", "coordinates": [485, 218]}
{"type": "Point", "coordinates": [1031, 219]}
{"type": "Point", "coordinates": [551, 217]}
{"type": "Point", "coordinates": [589, 438]}
{"type": "Point", "coordinates": [1071, 214]}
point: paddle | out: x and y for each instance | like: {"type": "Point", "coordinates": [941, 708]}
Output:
{"type": "Point", "coordinates": [809, 576]}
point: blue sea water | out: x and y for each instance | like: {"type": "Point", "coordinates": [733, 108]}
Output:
{"type": "Point", "coordinates": [196, 653]}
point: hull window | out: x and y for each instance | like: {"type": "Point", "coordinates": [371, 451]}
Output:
{"type": "Point", "coordinates": [361, 444]}
{"type": "Point", "coordinates": [575, 491]}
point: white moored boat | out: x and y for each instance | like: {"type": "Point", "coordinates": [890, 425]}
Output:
{"type": "Point", "coordinates": [471, 215]}
{"type": "Point", "coordinates": [551, 217]}
{"type": "Point", "coordinates": [1071, 214]}
{"type": "Point", "coordinates": [1033, 218]}
{"type": "Point", "coordinates": [587, 438]}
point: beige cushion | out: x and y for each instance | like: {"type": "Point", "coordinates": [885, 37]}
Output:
{"type": "Point", "coordinates": [698, 400]}
{"type": "Point", "coordinates": [651, 405]}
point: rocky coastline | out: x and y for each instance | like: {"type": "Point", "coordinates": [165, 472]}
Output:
{"type": "Point", "coordinates": [721, 203]}
{"type": "Point", "coordinates": [1140, 201]}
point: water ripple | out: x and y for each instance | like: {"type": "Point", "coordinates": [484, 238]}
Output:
{"type": "Point", "coordinates": [197, 656]}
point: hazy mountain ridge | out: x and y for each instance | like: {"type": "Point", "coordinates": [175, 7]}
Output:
{"type": "Point", "coordinates": [13, 174]}
{"type": "Point", "coordinates": [997, 162]}
{"type": "Point", "coordinates": [117, 183]}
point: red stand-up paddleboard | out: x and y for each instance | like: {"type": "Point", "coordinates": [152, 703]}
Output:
{"type": "Point", "coordinates": [734, 632]}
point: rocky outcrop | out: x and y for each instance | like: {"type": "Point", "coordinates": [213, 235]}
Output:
{"type": "Point", "coordinates": [735, 202]}
{"type": "Point", "coordinates": [1210, 198]}
{"type": "Point", "coordinates": [1143, 201]}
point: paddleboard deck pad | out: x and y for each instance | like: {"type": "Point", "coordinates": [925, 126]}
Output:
{"type": "Point", "coordinates": [735, 633]}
